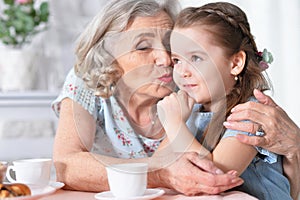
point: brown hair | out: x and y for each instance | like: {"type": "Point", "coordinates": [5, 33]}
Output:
{"type": "Point", "coordinates": [231, 31]}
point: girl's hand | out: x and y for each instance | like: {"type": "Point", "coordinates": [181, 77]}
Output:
{"type": "Point", "coordinates": [174, 109]}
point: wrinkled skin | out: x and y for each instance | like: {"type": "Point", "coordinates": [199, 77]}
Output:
{"type": "Point", "coordinates": [201, 178]}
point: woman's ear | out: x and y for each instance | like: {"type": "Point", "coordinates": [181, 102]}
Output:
{"type": "Point", "coordinates": [238, 63]}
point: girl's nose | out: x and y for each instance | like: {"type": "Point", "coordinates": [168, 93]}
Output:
{"type": "Point", "coordinates": [186, 74]}
{"type": "Point", "coordinates": [182, 70]}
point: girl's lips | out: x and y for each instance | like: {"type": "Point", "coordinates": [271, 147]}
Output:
{"type": "Point", "coordinates": [167, 78]}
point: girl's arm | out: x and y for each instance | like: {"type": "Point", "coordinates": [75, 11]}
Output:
{"type": "Point", "coordinates": [173, 112]}
{"type": "Point", "coordinates": [229, 154]}
{"type": "Point", "coordinates": [183, 142]}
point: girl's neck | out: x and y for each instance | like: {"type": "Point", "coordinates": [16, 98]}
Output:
{"type": "Point", "coordinates": [212, 106]}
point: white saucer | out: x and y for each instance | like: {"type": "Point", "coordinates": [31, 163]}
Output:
{"type": "Point", "coordinates": [39, 191]}
{"type": "Point", "coordinates": [149, 194]}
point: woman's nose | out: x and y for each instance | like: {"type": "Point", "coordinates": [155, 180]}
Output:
{"type": "Point", "coordinates": [162, 58]}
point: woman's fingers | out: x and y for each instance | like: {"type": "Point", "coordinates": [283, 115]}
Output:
{"type": "Point", "coordinates": [254, 141]}
{"type": "Point", "coordinates": [256, 116]}
{"type": "Point", "coordinates": [261, 107]}
{"type": "Point", "coordinates": [200, 176]}
{"type": "Point", "coordinates": [242, 126]}
{"type": "Point", "coordinates": [264, 99]}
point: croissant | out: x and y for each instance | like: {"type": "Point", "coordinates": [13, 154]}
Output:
{"type": "Point", "coordinates": [14, 190]}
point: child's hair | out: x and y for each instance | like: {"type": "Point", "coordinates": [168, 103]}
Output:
{"type": "Point", "coordinates": [231, 31]}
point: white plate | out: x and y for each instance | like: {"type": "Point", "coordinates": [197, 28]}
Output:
{"type": "Point", "coordinates": [149, 194]}
{"type": "Point", "coordinates": [38, 191]}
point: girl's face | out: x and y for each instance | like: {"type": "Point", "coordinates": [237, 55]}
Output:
{"type": "Point", "coordinates": [200, 67]}
{"type": "Point", "coordinates": [141, 51]}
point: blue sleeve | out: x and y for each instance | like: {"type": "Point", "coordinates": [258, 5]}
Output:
{"type": "Point", "coordinates": [74, 88]}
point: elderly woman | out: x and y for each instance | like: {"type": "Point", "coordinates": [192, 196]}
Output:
{"type": "Point", "coordinates": [107, 107]}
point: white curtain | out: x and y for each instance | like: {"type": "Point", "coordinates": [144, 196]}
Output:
{"type": "Point", "coordinates": [276, 26]}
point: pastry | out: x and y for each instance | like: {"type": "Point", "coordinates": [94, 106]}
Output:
{"type": "Point", "coordinates": [2, 171]}
{"type": "Point", "coordinates": [14, 190]}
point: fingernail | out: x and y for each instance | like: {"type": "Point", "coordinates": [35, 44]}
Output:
{"type": "Point", "coordinates": [218, 171]}
{"type": "Point", "coordinates": [226, 123]}
{"type": "Point", "coordinates": [233, 109]}
{"type": "Point", "coordinates": [235, 173]}
{"type": "Point", "coordinates": [236, 180]}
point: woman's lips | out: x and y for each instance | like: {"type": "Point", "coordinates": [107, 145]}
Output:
{"type": "Point", "coordinates": [189, 85]}
{"type": "Point", "coordinates": [167, 78]}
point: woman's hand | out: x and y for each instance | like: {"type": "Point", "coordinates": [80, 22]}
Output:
{"type": "Point", "coordinates": [191, 174]}
{"type": "Point", "coordinates": [282, 135]}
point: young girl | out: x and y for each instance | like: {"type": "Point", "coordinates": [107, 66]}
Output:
{"type": "Point", "coordinates": [217, 65]}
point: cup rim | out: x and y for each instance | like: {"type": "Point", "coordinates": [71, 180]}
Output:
{"type": "Point", "coordinates": [129, 167]}
{"type": "Point", "coordinates": [136, 164]}
{"type": "Point", "coordinates": [32, 161]}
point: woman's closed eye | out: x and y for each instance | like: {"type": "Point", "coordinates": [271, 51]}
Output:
{"type": "Point", "coordinates": [143, 46]}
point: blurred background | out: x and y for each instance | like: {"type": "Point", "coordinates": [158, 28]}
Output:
{"type": "Point", "coordinates": [27, 124]}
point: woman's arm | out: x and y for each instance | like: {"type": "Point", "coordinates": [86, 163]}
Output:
{"type": "Point", "coordinates": [81, 170]}
{"type": "Point", "coordinates": [282, 135]}
{"type": "Point", "coordinates": [75, 165]}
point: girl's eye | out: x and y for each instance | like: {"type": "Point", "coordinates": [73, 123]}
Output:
{"type": "Point", "coordinates": [176, 61]}
{"type": "Point", "coordinates": [196, 59]}
{"type": "Point", "coordinates": [143, 46]}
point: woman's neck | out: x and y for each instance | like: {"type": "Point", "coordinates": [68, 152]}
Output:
{"type": "Point", "coordinates": [142, 113]}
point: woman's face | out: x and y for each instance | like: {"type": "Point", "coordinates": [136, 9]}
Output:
{"type": "Point", "coordinates": [141, 51]}
{"type": "Point", "coordinates": [200, 67]}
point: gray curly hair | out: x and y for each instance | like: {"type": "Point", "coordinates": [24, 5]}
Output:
{"type": "Point", "coordinates": [94, 64]}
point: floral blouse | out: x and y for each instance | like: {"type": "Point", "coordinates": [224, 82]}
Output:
{"type": "Point", "coordinates": [114, 135]}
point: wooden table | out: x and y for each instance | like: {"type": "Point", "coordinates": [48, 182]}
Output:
{"type": "Point", "coordinates": [74, 195]}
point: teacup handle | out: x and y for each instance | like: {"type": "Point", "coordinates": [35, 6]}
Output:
{"type": "Point", "coordinates": [8, 176]}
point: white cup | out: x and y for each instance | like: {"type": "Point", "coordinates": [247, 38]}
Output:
{"type": "Point", "coordinates": [34, 171]}
{"type": "Point", "coordinates": [127, 180]}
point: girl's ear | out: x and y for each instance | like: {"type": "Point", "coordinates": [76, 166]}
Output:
{"type": "Point", "coordinates": [238, 63]}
